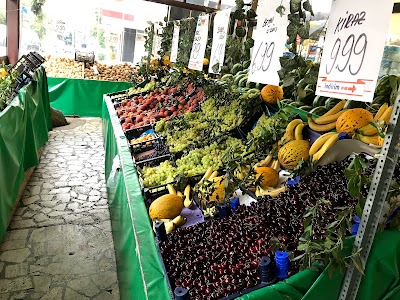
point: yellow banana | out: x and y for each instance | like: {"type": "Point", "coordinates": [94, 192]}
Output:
{"type": "Point", "coordinates": [171, 189]}
{"type": "Point", "coordinates": [381, 110]}
{"type": "Point", "coordinates": [213, 175]}
{"type": "Point", "coordinates": [368, 139]}
{"type": "Point", "coordinates": [266, 162]}
{"type": "Point", "coordinates": [276, 165]}
{"type": "Point", "coordinates": [188, 202]}
{"type": "Point", "coordinates": [368, 130]}
{"type": "Point", "coordinates": [386, 115]}
{"type": "Point", "coordinates": [260, 192]}
{"type": "Point", "coordinates": [329, 143]}
{"type": "Point", "coordinates": [298, 132]}
{"type": "Point", "coordinates": [179, 221]}
{"type": "Point", "coordinates": [328, 119]}
{"type": "Point", "coordinates": [318, 127]}
{"type": "Point", "coordinates": [320, 142]}
{"type": "Point", "coordinates": [290, 129]}
{"type": "Point", "coordinates": [169, 226]}
{"type": "Point", "coordinates": [208, 174]}
{"type": "Point", "coordinates": [179, 194]}
{"type": "Point", "coordinates": [334, 110]}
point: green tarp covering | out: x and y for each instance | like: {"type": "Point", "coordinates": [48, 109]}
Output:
{"type": "Point", "coordinates": [24, 127]}
{"type": "Point", "coordinates": [81, 97]}
{"type": "Point", "coordinates": [140, 273]}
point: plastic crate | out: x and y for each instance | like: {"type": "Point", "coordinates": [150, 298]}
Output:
{"type": "Point", "coordinates": [144, 146]}
{"type": "Point", "coordinates": [134, 133]}
{"type": "Point", "coordinates": [23, 65]}
{"type": "Point", "coordinates": [38, 56]}
{"type": "Point", "coordinates": [34, 60]}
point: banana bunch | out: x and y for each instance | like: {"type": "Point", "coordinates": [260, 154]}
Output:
{"type": "Point", "coordinates": [327, 122]}
{"type": "Point", "coordinates": [369, 134]}
{"type": "Point", "coordinates": [322, 144]}
{"type": "Point", "coordinates": [171, 225]}
{"type": "Point", "coordinates": [294, 131]}
{"type": "Point", "coordinates": [272, 192]}
{"type": "Point", "coordinates": [187, 202]}
{"type": "Point", "coordinates": [268, 162]}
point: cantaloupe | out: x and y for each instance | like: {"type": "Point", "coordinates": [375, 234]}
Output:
{"type": "Point", "coordinates": [270, 177]}
{"type": "Point", "coordinates": [271, 94]}
{"type": "Point", "coordinates": [219, 189]}
{"type": "Point", "coordinates": [166, 207]}
{"type": "Point", "coordinates": [353, 119]}
{"type": "Point", "coordinates": [291, 153]}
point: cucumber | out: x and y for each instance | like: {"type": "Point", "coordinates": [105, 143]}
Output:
{"type": "Point", "coordinates": [242, 82]}
{"type": "Point", "coordinates": [331, 102]}
{"type": "Point", "coordinates": [236, 68]}
{"type": "Point", "coordinates": [254, 90]}
{"type": "Point", "coordinates": [319, 111]}
{"type": "Point", "coordinates": [354, 104]}
{"type": "Point", "coordinates": [227, 77]}
{"type": "Point", "coordinates": [238, 78]}
{"type": "Point", "coordinates": [319, 101]}
{"type": "Point", "coordinates": [306, 107]}
{"type": "Point", "coordinates": [246, 64]}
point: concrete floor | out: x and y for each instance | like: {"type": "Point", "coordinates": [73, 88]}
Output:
{"type": "Point", "coordinates": [59, 243]}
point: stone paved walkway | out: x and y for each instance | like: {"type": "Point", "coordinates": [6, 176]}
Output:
{"type": "Point", "coordinates": [59, 243]}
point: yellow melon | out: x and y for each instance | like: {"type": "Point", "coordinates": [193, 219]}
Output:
{"type": "Point", "coordinates": [353, 119]}
{"type": "Point", "coordinates": [272, 93]}
{"type": "Point", "coordinates": [166, 207]}
{"type": "Point", "coordinates": [269, 176]}
{"type": "Point", "coordinates": [291, 153]}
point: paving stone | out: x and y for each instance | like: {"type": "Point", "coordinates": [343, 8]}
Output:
{"type": "Point", "coordinates": [94, 198]}
{"type": "Point", "coordinates": [15, 256]}
{"type": "Point", "coordinates": [74, 194]}
{"type": "Point", "coordinates": [46, 210]}
{"type": "Point", "coordinates": [34, 207]}
{"type": "Point", "coordinates": [46, 197]}
{"type": "Point", "coordinates": [73, 206]}
{"type": "Point", "coordinates": [60, 207]}
{"type": "Point", "coordinates": [11, 245]}
{"type": "Point", "coordinates": [22, 224]}
{"type": "Point", "coordinates": [42, 283]}
{"type": "Point", "coordinates": [36, 295]}
{"type": "Point", "coordinates": [6, 285]}
{"type": "Point", "coordinates": [48, 186]}
{"type": "Point", "coordinates": [84, 285]}
{"type": "Point", "coordinates": [35, 190]}
{"type": "Point", "coordinates": [55, 293]}
{"type": "Point", "coordinates": [22, 283]}
{"type": "Point", "coordinates": [105, 279]}
{"type": "Point", "coordinates": [30, 200]}
{"type": "Point", "coordinates": [28, 214]}
{"type": "Point", "coordinates": [63, 197]}
{"type": "Point", "coordinates": [60, 190]}
{"type": "Point", "coordinates": [82, 197]}
{"type": "Point", "coordinates": [72, 295]}
{"type": "Point", "coordinates": [17, 234]}
{"type": "Point", "coordinates": [16, 270]}
{"type": "Point", "coordinates": [94, 193]}
{"type": "Point", "coordinates": [49, 204]}
{"type": "Point", "coordinates": [20, 211]}
{"type": "Point", "coordinates": [39, 249]}
{"type": "Point", "coordinates": [51, 222]}
{"type": "Point", "coordinates": [41, 217]}
{"type": "Point", "coordinates": [4, 296]}
{"type": "Point", "coordinates": [1, 266]}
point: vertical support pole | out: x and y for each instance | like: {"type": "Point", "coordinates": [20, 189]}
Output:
{"type": "Point", "coordinates": [254, 5]}
{"type": "Point", "coordinates": [12, 16]}
{"type": "Point", "coordinates": [374, 203]}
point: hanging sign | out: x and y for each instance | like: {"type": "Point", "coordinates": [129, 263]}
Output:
{"type": "Point", "coordinates": [221, 23]}
{"type": "Point", "coordinates": [156, 39]}
{"type": "Point", "coordinates": [353, 49]}
{"type": "Point", "coordinates": [199, 44]}
{"type": "Point", "coordinates": [269, 42]}
{"type": "Point", "coordinates": [175, 43]}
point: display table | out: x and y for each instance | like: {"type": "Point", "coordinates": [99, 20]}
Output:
{"type": "Point", "coordinates": [24, 127]}
{"type": "Point", "coordinates": [81, 97]}
{"type": "Point", "coordinates": [140, 272]}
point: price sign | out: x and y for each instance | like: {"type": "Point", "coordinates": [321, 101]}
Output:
{"type": "Point", "coordinates": [269, 42]}
{"type": "Point", "coordinates": [60, 27]}
{"type": "Point", "coordinates": [353, 49]}
{"type": "Point", "coordinates": [199, 44]}
{"type": "Point", "coordinates": [221, 23]}
{"type": "Point", "coordinates": [175, 43]}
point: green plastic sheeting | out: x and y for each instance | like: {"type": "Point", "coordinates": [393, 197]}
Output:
{"type": "Point", "coordinates": [140, 274]}
{"type": "Point", "coordinates": [24, 127]}
{"type": "Point", "coordinates": [81, 97]}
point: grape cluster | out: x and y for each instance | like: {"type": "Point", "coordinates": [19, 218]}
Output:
{"type": "Point", "coordinates": [194, 163]}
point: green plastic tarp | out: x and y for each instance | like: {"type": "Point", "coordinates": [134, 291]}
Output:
{"type": "Point", "coordinates": [81, 97]}
{"type": "Point", "coordinates": [140, 273]}
{"type": "Point", "coordinates": [24, 127]}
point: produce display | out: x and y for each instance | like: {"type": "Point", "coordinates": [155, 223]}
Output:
{"type": "Point", "coordinates": [69, 68]}
{"type": "Point", "coordinates": [147, 139]}
{"type": "Point", "coordinates": [159, 104]}
{"type": "Point", "coordinates": [218, 258]}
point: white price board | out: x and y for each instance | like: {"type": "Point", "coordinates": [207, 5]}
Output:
{"type": "Point", "coordinates": [175, 43]}
{"type": "Point", "coordinates": [353, 49]}
{"type": "Point", "coordinates": [269, 42]}
{"type": "Point", "coordinates": [221, 23]}
{"type": "Point", "coordinates": [199, 44]}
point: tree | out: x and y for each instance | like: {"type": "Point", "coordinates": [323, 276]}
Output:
{"type": "Point", "coordinates": [2, 18]}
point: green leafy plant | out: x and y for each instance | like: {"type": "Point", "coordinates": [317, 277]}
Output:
{"type": "Point", "coordinates": [7, 85]}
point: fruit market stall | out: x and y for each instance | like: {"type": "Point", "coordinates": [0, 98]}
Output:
{"type": "Point", "coordinates": [24, 126]}
{"type": "Point", "coordinates": [77, 88]}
